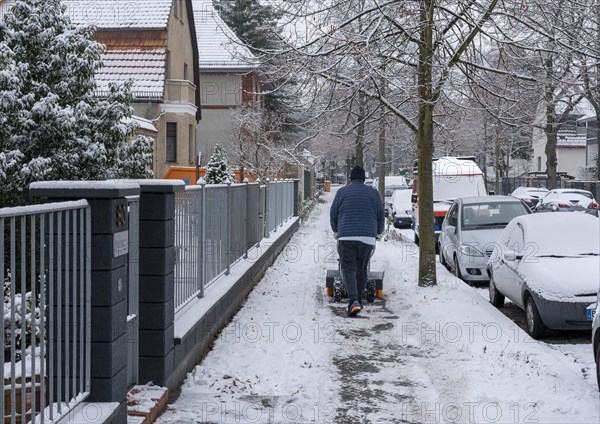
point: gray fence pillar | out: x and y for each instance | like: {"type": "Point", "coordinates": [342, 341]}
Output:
{"type": "Point", "coordinates": [109, 260]}
{"type": "Point", "coordinates": [157, 282]}
{"type": "Point", "coordinates": [296, 198]}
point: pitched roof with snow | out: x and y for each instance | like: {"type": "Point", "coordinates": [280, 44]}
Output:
{"type": "Point", "coordinates": [138, 55]}
{"type": "Point", "coordinates": [571, 140]}
{"type": "Point", "coordinates": [218, 46]}
{"type": "Point", "coordinates": [145, 67]}
{"type": "Point", "coordinates": [120, 14]}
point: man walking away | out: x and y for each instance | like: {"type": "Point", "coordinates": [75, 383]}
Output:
{"type": "Point", "coordinates": [357, 220]}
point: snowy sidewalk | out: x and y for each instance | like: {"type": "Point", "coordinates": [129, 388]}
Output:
{"type": "Point", "coordinates": [433, 355]}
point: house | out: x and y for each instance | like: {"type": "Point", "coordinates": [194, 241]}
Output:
{"type": "Point", "coordinates": [153, 43]}
{"type": "Point", "coordinates": [228, 76]}
{"type": "Point", "coordinates": [571, 146]}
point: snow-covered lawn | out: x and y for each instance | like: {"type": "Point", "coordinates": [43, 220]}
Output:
{"type": "Point", "coordinates": [420, 355]}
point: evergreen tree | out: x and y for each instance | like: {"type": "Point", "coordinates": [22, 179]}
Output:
{"type": "Point", "coordinates": [52, 127]}
{"type": "Point", "coordinates": [256, 25]}
{"type": "Point", "coordinates": [217, 169]}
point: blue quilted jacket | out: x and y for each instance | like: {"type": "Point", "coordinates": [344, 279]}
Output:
{"type": "Point", "coordinates": [357, 211]}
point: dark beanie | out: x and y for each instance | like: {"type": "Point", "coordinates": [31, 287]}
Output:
{"type": "Point", "coordinates": [357, 173]}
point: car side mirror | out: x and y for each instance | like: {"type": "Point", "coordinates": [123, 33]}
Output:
{"type": "Point", "coordinates": [510, 256]}
{"type": "Point", "coordinates": [450, 229]}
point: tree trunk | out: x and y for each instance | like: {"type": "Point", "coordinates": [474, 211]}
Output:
{"type": "Point", "coordinates": [597, 133]}
{"type": "Point", "coordinates": [427, 272]}
{"type": "Point", "coordinates": [551, 140]}
{"type": "Point", "coordinates": [498, 153]}
{"type": "Point", "coordinates": [381, 157]}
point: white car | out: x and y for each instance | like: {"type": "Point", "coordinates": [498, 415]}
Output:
{"type": "Point", "coordinates": [530, 195]}
{"type": "Point", "coordinates": [568, 200]}
{"type": "Point", "coordinates": [548, 265]}
{"type": "Point", "coordinates": [401, 208]}
{"type": "Point", "coordinates": [470, 232]}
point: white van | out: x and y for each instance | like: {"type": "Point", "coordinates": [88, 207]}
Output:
{"type": "Point", "coordinates": [453, 177]}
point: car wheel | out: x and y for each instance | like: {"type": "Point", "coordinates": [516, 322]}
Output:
{"type": "Point", "coordinates": [598, 362]}
{"type": "Point", "coordinates": [496, 298]}
{"type": "Point", "coordinates": [457, 268]}
{"type": "Point", "coordinates": [416, 239]}
{"type": "Point", "coordinates": [535, 326]}
{"type": "Point", "coordinates": [442, 258]}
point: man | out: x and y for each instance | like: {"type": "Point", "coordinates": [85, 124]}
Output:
{"type": "Point", "coordinates": [357, 220]}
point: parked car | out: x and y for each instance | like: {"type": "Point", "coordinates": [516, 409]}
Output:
{"type": "Point", "coordinates": [553, 278]}
{"type": "Point", "coordinates": [568, 200]}
{"type": "Point", "coordinates": [470, 232]}
{"type": "Point", "coordinates": [401, 208]}
{"type": "Point", "coordinates": [391, 184]}
{"type": "Point", "coordinates": [452, 177]}
{"type": "Point", "coordinates": [596, 336]}
{"type": "Point", "coordinates": [530, 195]}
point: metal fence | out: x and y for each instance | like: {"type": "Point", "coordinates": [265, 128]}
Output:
{"type": "Point", "coordinates": [280, 203]}
{"type": "Point", "coordinates": [215, 225]}
{"type": "Point", "coordinates": [45, 265]}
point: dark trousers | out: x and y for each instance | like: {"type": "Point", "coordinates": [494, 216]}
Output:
{"type": "Point", "coordinates": [354, 260]}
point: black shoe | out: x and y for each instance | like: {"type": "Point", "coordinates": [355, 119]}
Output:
{"type": "Point", "coordinates": [354, 308]}
{"type": "Point", "coordinates": [371, 291]}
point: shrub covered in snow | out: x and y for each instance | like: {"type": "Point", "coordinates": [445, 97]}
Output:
{"type": "Point", "coordinates": [217, 169]}
{"type": "Point", "coordinates": [52, 126]}
{"type": "Point", "coordinates": [31, 320]}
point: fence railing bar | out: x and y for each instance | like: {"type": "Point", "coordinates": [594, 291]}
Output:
{"type": "Point", "coordinates": [67, 317]}
{"type": "Point", "coordinates": [43, 336]}
{"type": "Point", "coordinates": [59, 317]}
{"type": "Point", "coordinates": [50, 288]}
{"type": "Point", "coordinates": [33, 277]}
{"type": "Point", "coordinates": [84, 323]}
{"type": "Point", "coordinates": [13, 359]}
{"type": "Point", "coordinates": [2, 276]}
{"type": "Point", "coordinates": [74, 307]}
{"type": "Point", "coordinates": [23, 315]}
{"type": "Point", "coordinates": [88, 297]}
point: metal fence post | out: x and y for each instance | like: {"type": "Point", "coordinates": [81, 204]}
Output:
{"type": "Point", "coordinates": [228, 228]}
{"type": "Point", "coordinates": [202, 258]}
{"type": "Point", "coordinates": [246, 188]}
{"type": "Point", "coordinates": [267, 214]}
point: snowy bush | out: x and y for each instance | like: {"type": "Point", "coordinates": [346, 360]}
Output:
{"type": "Point", "coordinates": [52, 126]}
{"type": "Point", "coordinates": [31, 320]}
{"type": "Point", "coordinates": [217, 169]}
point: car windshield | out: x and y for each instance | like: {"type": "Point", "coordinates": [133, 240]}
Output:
{"type": "Point", "coordinates": [492, 214]}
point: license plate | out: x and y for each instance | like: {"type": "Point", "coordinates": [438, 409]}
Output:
{"type": "Point", "coordinates": [590, 312]}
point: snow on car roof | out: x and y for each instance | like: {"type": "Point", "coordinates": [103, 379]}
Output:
{"type": "Point", "coordinates": [489, 199]}
{"type": "Point", "coordinates": [453, 166]}
{"type": "Point", "coordinates": [571, 190]}
{"type": "Point", "coordinates": [545, 232]}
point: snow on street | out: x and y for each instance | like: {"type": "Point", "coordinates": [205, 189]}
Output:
{"type": "Point", "coordinates": [420, 355]}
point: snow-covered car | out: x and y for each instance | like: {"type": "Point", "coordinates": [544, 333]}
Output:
{"type": "Point", "coordinates": [568, 200]}
{"type": "Point", "coordinates": [530, 195]}
{"type": "Point", "coordinates": [552, 278]}
{"type": "Point", "coordinates": [470, 232]}
{"type": "Point", "coordinates": [401, 208]}
{"type": "Point", "coordinates": [596, 335]}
